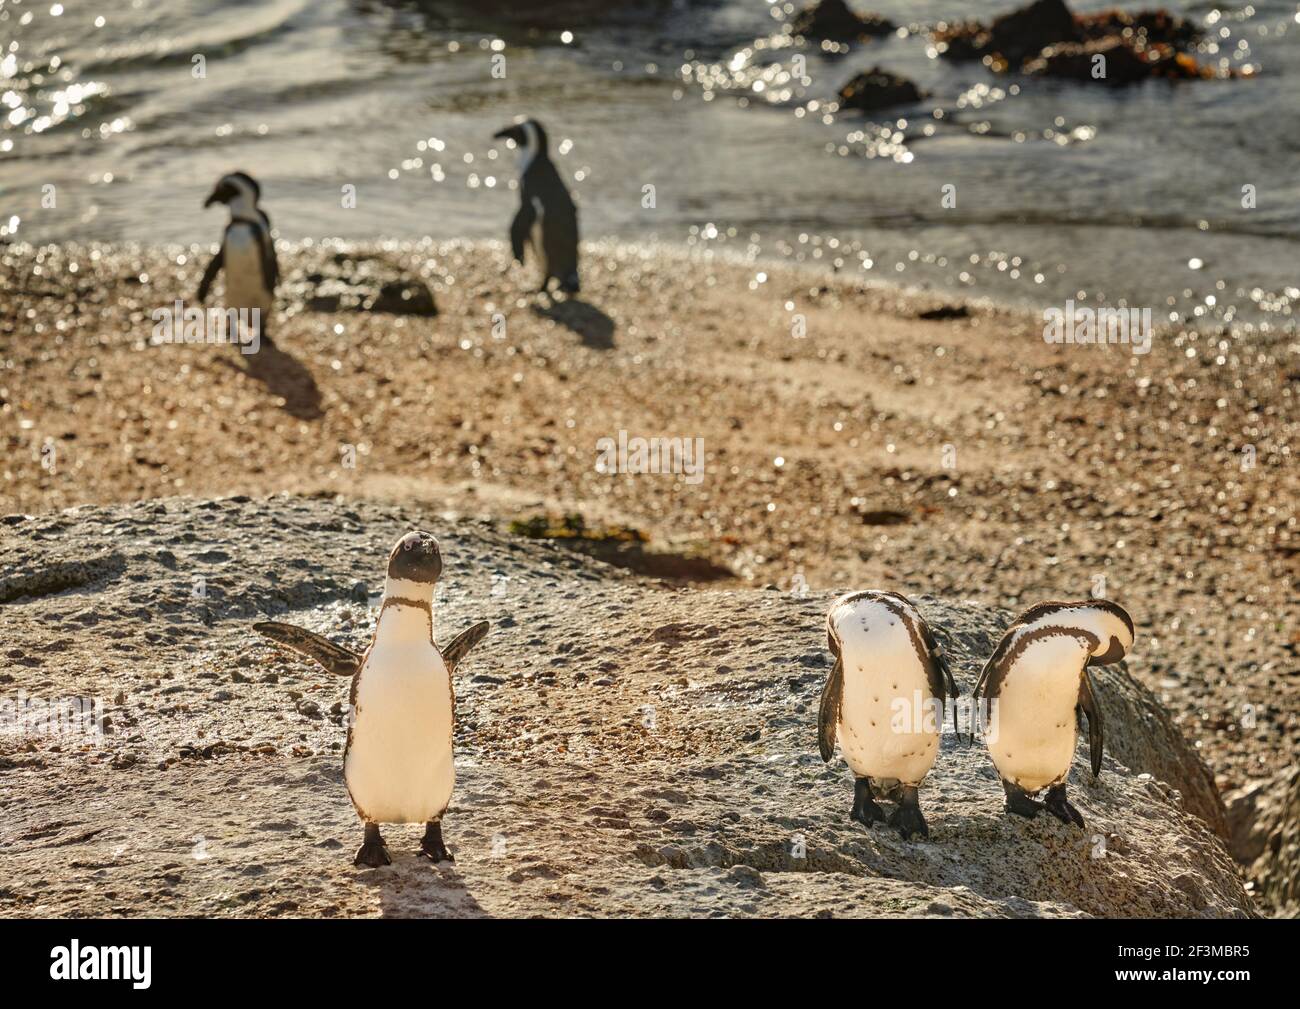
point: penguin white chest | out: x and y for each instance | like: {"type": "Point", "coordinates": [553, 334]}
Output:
{"type": "Point", "coordinates": [399, 766]}
{"type": "Point", "coordinates": [1032, 729]}
{"type": "Point", "coordinates": [538, 234]}
{"type": "Point", "coordinates": [242, 262]}
{"type": "Point", "coordinates": [889, 726]}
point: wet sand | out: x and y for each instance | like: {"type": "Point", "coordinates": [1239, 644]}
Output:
{"type": "Point", "coordinates": [961, 457]}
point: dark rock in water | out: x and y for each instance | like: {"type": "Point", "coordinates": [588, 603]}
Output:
{"type": "Point", "coordinates": [1124, 63]}
{"type": "Point", "coordinates": [1011, 38]}
{"type": "Point", "coordinates": [365, 284]}
{"type": "Point", "coordinates": [1145, 27]}
{"type": "Point", "coordinates": [1070, 60]}
{"type": "Point", "coordinates": [878, 89]}
{"type": "Point", "coordinates": [1046, 38]}
{"type": "Point", "coordinates": [1023, 33]}
{"type": "Point", "coordinates": [836, 21]}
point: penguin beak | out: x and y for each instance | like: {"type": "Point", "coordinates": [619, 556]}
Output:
{"type": "Point", "coordinates": [221, 194]}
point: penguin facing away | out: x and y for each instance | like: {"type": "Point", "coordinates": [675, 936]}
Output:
{"type": "Point", "coordinates": [247, 252]}
{"type": "Point", "coordinates": [1039, 690]}
{"type": "Point", "coordinates": [547, 219]}
{"type": "Point", "coordinates": [884, 698]}
{"type": "Point", "coordinates": [398, 760]}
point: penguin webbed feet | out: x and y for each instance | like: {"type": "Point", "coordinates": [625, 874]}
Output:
{"type": "Point", "coordinates": [432, 846]}
{"type": "Point", "coordinates": [1020, 802]}
{"type": "Point", "coordinates": [373, 852]}
{"type": "Point", "coordinates": [1059, 806]}
{"type": "Point", "coordinates": [907, 818]}
{"type": "Point", "coordinates": [865, 810]}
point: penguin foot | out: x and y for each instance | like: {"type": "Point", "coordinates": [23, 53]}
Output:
{"type": "Point", "coordinates": [865, 810]}
{"type": "Point", "coordinates": [1057, 805]}
{"type": "Point", "coordinates": [373, 852]}
{"type": "Point", "coordinates": [432, 844]}
{"type": "Point", "coordinates": [907, 818]}
{"type": "Point", "coordinates": [1019, 802]}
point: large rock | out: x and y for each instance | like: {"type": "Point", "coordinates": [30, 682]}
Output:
{"type": "Point", "coordinates": [1046, 38]}
{"type": "Point", "coordinates": [623, 748]}
{"type": "Point", "coordinates": [1151, 27]}
{"type": "Point", "coordinates": [1122, 62]}
{"type": "Point", "coordinates": [878, 89]}
{"type": "Point", "coordinates": [835, 21]}
{"type": "Point", "coordinates": [1264, 817]}
{"type": "Point", "coordinates": [1012, 37]}
{"type": "Point", "coordinates": [1022, 33]}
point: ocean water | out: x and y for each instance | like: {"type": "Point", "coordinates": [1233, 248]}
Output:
{"type": "Point", "coordinates": [131, 109]}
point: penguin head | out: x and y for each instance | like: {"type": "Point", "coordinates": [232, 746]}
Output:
{"type": "Point", "coordinates": [1114, 628]}
{"type": "Point", "coordinates": [415, 558]}
{"type": "Point", "coordinates": [527, 135]}
{"type": "Point", "coordinates": [235, 186]}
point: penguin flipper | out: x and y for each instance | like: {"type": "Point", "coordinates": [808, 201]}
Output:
{"type": "Point", "coordinates": [521, 227]}
{"type": "Point", "coordinates": [1089, 706]}
{"type": "Point", "coordinates": [331, 657]}
{"type": "Point", "coordinates": [210, 274]}
{"type": "Point", "coordinates": [270, 265]}
{"type": "Point", "coordinates": [828, 715]}
{"type": "Point", "coordinates": [990, 679]}
{"type": "Point", "coordinates": [460, 645]}
{"type": "Point", "coordinates": [938, 672]}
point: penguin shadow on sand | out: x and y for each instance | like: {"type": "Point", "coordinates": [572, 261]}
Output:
{"type": "Point", "coordinates": [594, 328]}
{"type": "Point", "coordinates": [411, 888]}
{"type": "Point", "coordinates": [285, 377]}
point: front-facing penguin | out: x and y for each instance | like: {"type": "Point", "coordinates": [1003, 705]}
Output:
{"type": "Point", "coordinates": [398, 760]}
{"type": "Point", "coordinates": [247, 252]}
{"type": "Point", "coordinates": [547, 218]}
{"type": "Point", "coordinates": [885, 699]}
{"type": "Point", "coordinates": [1038, 689]}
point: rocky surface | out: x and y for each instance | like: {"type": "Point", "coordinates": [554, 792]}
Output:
{"type": "Point", "coordinates": [1264, 818]}
{"type": "Point", "coordinates": [623, 748]}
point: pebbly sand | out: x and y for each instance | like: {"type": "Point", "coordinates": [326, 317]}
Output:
{"type": "Point", "coordinates": [960, 456]}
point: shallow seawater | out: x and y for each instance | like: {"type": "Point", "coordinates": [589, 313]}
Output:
{"type": "Point", "coordinates": [117, 118]}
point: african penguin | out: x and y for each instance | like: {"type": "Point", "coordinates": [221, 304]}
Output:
{"type": "Point", "coordinates": [547, 219]}
{"type": "Point", "coordinates": [885, 699]}
{"type": "Point", "coordinates": [398, 759]}
{"type": "Point", "coordinates": [247, 250]}
{"type": "Point", "coordinates": [1039, 689]}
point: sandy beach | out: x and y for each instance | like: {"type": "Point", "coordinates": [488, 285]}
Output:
{"type": "Point", "coordinates": [849, 440]}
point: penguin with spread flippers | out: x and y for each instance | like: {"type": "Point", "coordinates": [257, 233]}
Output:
{"type": "Point", "coordinates": [547, 219]}
{"type": "Point", "coordinates": [247, 253]}
{"type": "Point", "coordinates": [1037, 689]}
{"type": "Point", "coordinates": [884, 699]}
{"type": "Point", "coordinates": [398, 760]}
